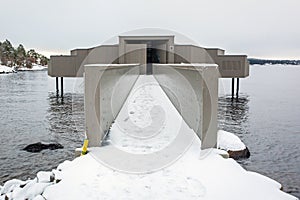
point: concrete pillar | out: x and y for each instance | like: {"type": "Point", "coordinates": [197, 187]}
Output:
{"type": "Point", "coordinates": [237, 87]}
{"type": "Point", "coordinates": [232, 88]}
{"type": "Point", "coordinates": [56, 85]}
{"type": "Point", "coordinates": [61, 87]}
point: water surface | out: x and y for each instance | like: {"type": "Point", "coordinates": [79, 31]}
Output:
{"type": "Point", "coordinates": [266, 117]}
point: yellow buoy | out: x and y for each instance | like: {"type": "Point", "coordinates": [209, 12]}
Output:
{"type": "Point", "coordinates": [85, 146]}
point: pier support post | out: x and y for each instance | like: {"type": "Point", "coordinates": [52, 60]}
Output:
{"type": "Point", "coordinates": [56, 84]}
{"type": "Point", "coordinates": [232, 88]}
{"type": "Point", "coordinates": [61, 87]}
{"type": "Point", "coordinates": [237, 87]}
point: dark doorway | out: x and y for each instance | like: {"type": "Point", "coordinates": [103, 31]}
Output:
{"type": "Point", "coordinates": [152, 57]}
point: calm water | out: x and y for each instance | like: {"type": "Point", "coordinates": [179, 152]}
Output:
{"type": "Point", "coordinates": [266, 118]}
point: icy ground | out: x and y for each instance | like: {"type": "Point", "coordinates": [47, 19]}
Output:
{"type": "Point", "coordinates": [146, 125]}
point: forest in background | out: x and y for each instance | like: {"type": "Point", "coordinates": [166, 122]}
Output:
{"type": "Point", "coordinates": [254, 61]}
{"type": "Point", "coordinates": [19, 57]}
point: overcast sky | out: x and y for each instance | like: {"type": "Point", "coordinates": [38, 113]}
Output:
{"type": "Point", "coordinates": [263, 29]}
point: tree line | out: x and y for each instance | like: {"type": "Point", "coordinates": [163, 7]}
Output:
{"type": "Point", "coordinates": [253, 61]}
{"type": "Point", "coordinates": [19, 57]}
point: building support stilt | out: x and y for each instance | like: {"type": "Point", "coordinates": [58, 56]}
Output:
{"type": "Point", "coordinates": [61, 87]}
{"type": "Point", "coordinates": [237, 87]}
{"type": "Point", "coordinates": [56, 84]}
{"type": "Point", "coordinates": [232, 88]}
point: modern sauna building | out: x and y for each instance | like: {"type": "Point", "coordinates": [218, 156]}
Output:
{"type": "Point", "coordinates": [188, 74]}
{"type": "Point", "coordinates": [146, 50]}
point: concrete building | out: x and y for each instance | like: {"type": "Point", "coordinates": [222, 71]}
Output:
{"type": "Point", "coordinates": [147, 50]}
{"type": "Point", "coordinates": [108, 68]}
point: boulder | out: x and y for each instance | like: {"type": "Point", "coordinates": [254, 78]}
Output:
{"type": "Point", "coordinates": [245, 153]}
{"type": "Point", "coordinates": [38, 147]}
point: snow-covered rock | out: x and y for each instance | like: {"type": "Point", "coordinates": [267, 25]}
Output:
{"type": "Point", "coordinates": [228, 141]}
{"type": "Point", "coordinates": [11, 185]}
{"type": "Point", "coordinates": [20, 190]}
{"type": "Point", "coordinates": [45, 177]}
{"type": "Point", "coordinates": [232, 144]}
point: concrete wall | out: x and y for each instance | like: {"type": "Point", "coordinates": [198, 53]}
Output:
{"type": "Point", "coordinates": [62, 66]}
{"type": "Point", "coordinates": [193, 90]}
{"type": "Point", "coordinates": [168, 46]}
{"type": "Point", "coordinates": [133, 49]}
{"type": "Point", "coordinates": [105, 54]}
{"type": "Point", "coordinates": [73, 65]}
{"type": "Point", "coordinates": [191, 54]}
{"type": "Point", "coordinates": [106, 89]}
{"type": "Point", "coordinates": [230, 66]}
{"type": "Point", "coordinates": [136, 53]}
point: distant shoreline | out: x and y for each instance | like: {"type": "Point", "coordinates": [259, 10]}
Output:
{"type": "Point", "coordinates": [7, 70]}
{"type": "Point", "coordinates": [254, 61]}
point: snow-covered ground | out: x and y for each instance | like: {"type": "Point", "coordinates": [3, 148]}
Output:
{"type": "Point", "coordinates": [189, 178]}
{"type": "Point", "coordinates": [35, 67]}
{"type": "Point", "coordinates": [5, 70]}
{"type": "Point", "coordinates": [146, 125]}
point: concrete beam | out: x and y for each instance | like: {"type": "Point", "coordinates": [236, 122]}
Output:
{"type": "Point", "coordinates": [106, 89]}
{"type": "Point", "coordinates": [193, 90]}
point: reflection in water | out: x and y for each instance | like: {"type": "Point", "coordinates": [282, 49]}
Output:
{"type": "Point", "coordinates": [66, 117]}
{"type": "Point", "coordinates": [233, 115]}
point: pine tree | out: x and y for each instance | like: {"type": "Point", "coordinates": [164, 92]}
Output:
{"type": "Point", "coordinates": [10, 56]}
{"type": "Point", "coordinates": [32, 57]}
{"type": "Point", "coordinates": [8, 53]}
{"type": "Point", "coordinates": [43, 60]}
{"type": "Point", "coordinates": [20, 55]}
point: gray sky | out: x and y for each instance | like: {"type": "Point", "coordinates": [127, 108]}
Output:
{"type": "Point", "coordinates": [264, 29]}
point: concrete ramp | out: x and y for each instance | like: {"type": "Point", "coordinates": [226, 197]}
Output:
{"type": "Point", "coordinates": [106, 89]}
{"type": "Point", "coordinates": [148, 133]}
{"type": "Point", "coordinates": [191, 88]}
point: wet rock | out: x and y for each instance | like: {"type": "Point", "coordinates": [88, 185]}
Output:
{"type": "Point", "coordinates": [239, 154]}
{"type": "Point", "coordinates": [38, 147]}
